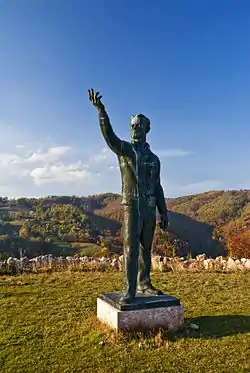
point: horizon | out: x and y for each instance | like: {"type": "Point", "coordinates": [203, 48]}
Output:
{"type": "Point", "coordinates": [120, 195]}
{"type": "Point", "coordinates": [186, 66]}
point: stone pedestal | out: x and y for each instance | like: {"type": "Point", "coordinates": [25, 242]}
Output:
{"type": "Point", "coordinates": [146, 312]}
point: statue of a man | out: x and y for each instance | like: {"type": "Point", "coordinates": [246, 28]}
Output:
{"type": "Point", "coordinates": [141, 194]}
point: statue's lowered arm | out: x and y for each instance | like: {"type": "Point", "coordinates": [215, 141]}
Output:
{"type": "Point", "coordinates": [161, 202]}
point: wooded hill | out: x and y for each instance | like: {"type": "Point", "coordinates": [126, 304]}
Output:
{"type": "Point", "coordinates": [215, 222]}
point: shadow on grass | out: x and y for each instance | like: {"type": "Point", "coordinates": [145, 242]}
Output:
{"type": "Point", "coordinates": [217, 326]}
{"type": "Point", "coordinates": [210, 327]}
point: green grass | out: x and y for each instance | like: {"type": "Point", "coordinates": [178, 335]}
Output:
{"type": "Point", "coordinates": [48, 324]}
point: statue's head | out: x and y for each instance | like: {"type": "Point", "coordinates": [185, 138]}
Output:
{"type": "Point", "coordinates": [139, 127]}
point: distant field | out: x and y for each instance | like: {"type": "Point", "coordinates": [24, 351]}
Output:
{"type": "Point", "coordinates": [48, 325]}
{"type": "Point", "coordinates": [87, 248]}
{"type": "Point", "coordinates": [61, 243]}
{"type": "Point", "coordinates": [17, 223]}
{"type": "Point", "coordinates": [82, 244]}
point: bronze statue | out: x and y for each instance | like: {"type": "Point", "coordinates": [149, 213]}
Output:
{"type": "Point", "coordinates": [141, 194]}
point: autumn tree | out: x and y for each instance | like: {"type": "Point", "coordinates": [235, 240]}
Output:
{"type": "Point", "coordinates": [236, 237]}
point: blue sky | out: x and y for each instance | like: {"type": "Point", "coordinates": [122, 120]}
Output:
{"type": "Point", "coordinates": [185, 64]}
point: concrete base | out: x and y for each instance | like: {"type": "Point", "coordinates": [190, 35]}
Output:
{"type": "Point", "coordinates": [145, 313]}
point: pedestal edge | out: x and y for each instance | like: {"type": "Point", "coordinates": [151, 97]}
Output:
{"type": "Point", "coordinates": [140, 302]}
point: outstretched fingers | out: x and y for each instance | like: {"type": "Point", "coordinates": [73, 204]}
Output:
{"type": "Point", "coordinates": [94, 97]}
{"type": "Point", "coordinates": [98, 97]}
{"type": "Point", "coordinates": [91, 94]}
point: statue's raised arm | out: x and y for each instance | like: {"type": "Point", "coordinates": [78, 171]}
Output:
{"type": "Point", "coordinates": [115, 144]}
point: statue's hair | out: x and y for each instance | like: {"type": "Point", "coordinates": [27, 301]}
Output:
{"type": "Point", "coordinates": [144, 119]}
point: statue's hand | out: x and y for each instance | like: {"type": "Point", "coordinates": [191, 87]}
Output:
{"type": "Point", "coordinates": [164, 223]}
{"type": "Point", "coordinates": [96, 99]}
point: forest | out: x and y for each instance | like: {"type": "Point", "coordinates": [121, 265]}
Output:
{"type": "Point", "coordinates": [215, 223]}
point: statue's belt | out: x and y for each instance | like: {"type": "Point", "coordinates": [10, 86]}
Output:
{"type": "Point", "coordinates": [149, 199]}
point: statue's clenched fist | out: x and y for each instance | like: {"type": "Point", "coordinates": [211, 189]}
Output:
{"type": "Point", "coordinates": [164, 222]}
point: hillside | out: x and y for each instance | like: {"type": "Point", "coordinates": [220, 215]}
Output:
{"type": "Point", "coordinates": [193, 218]}
{"type": "Point", "coordinates": [213, 207]}
{"type": "Point", "coordinates": [198, 223]}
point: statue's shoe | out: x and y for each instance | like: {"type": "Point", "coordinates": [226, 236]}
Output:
{"type": "Point", "coordinates": [126, 299]}
{"type": "Point", "coordinates": [149, 290]}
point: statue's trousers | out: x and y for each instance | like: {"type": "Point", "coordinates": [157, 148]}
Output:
{"type": "Point", "coordinates": [138, 233]}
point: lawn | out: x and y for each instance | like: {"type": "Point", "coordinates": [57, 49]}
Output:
{"type": "Point", "coordinates": [48, 324]}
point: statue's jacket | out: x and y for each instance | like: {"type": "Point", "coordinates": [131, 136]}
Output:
{"type": "Point", "coordinates": [140, 170]}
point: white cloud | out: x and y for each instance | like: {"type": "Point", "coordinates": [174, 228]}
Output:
{"type": "Point", "coordinates": [27, 170]}
{"type": "Point", "coordinates": [113, 168]}
{"type": "Point", "coordinates": [170, 153]}
{"type": "Point", "coordinates": [102, 155]}
{"type": "Point", "coordinates": [10, 191]}
{"type": "Point", "coordinates": [32, 169]}
{"type": "Point", "coordinates": [50, 155]}
{"type": "Point", "coordinates": [60, 173]}
{"type": "Point", "coordinates": [7, 159]}
{"type": "Point", "coordinates": [105, 157]}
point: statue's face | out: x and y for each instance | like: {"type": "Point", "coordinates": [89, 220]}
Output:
{"type": "Point", "coordinates": [138, 128]}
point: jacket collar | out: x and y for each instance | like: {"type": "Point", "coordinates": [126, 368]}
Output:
{"type": "Point", "coordinates": [141, 148]}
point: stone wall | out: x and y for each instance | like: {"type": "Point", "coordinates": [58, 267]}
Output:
{"type": "Point", "coordinates": [159, 263]}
